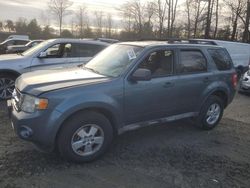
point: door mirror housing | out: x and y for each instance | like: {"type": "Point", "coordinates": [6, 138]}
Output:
{"type": "Point", "coordinates": [141, 75]}
{"type": "Point", "coordinates": [42, 55]}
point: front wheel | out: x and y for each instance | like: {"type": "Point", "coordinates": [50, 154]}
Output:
{"type": "Point", "coordinates": [211, 113]}
{"type": "Point", "coordinates": [84, 137]}
{"type": "Point", "coordinates": [7, 85]}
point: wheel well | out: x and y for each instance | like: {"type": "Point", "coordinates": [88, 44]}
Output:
{"type": "Point", "coordinates": [102, 111]}
{"type": "Point", "coordinates": [10, 72]}
{"type": "Point", "coordinates": [222, 95]}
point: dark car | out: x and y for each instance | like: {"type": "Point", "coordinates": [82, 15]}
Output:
{"type": "Point", "coordinates": [10, 42]}
{"type": "Point", "coordinates": [21, 48]}
{"type": "Point", "coordinates": [126, 86]}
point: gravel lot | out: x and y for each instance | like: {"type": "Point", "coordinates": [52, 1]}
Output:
{"type": "Point", "coordinates": [174, 155]}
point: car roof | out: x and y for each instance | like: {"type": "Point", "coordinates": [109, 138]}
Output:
{"type": "Point", "coordinates": [91, 41]}
{"type": "Point", "coordinates": [166, 43]}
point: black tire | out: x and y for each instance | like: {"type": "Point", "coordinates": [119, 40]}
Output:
{"type": "Point", "coordinates": [6, 78]}
{"type": "Point", "coordinates": [201, 121]}
{"type": "Point", "coordinates": [76, 122]}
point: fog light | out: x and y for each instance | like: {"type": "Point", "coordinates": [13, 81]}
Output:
{"type": "Point", "coordinates": [25, 132]}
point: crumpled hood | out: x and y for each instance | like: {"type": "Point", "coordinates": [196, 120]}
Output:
{"type": "Point", "coordinates": [38, 82]}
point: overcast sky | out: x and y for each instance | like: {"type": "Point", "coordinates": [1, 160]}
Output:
{"type": "Point", "coordinates": [13, 9]}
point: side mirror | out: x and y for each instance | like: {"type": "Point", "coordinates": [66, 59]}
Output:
{"type": "Point", "coordinates": [42, 55]}
{"type": "Point", "coordinates": [141, 75]}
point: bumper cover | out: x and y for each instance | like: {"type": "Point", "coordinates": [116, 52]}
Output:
{"type": "Point", "coordinates": [39, 128]}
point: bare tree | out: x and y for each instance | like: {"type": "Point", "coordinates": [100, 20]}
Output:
{"type": "Point", "coordinates": [237, 8]}
{"type": "Point", "coordinates": [60, 9]}
{"type": "Point", "coordinates": [209, 18]}
{"type": "Point", "coordinates": [81, 17]}
{"type": "Point", "coordinates": [1, 25]}
{"type": "Point", "coordinates": [135, 11]}
{"type": "Point", "coordinates": [216, 18]}
{"type": "Point", "coordinates": [246, 33]}
{"type": "Point", "coordinates": [99, 22]}
{"type": "Point", "coordinates": [10, 25]}
{"type": "Point", "coordinates": [199, 14]}
{"type": "Point", "coordinates": [188, 7]}
{"type": "Point", "coordinates": [172, 6]}
{"type": "Point", "coordinates": [109, 25]}
{"type": "Point", "coordinates": [161, 7]}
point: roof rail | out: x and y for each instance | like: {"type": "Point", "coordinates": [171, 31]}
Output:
{"type": "Point", "coordinates": [108, 40]}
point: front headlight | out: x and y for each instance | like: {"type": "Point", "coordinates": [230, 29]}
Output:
{"type": "Point", "coordinates": [31, 103]}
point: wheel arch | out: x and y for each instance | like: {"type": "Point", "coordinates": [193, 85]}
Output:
{"type": "Point", "coordinates": [11, 72]}
{"type": "Point", "coordinates": [221, 93]}
{"type": "Point", "coordinates": [106, 112]}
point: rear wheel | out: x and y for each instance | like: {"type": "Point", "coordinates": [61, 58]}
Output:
{"type": "Point", "coordinates": [211, 113]}
{"type": "Point", "coordinates": [85, 137]}
{"type": "Point", "coordinates": [7, 85]}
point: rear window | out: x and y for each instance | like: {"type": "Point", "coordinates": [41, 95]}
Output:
{"type": "Point", "coordinates": [221, 59]}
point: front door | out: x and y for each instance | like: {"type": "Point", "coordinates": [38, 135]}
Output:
{"type": "Point", "coordinates": [57, 56]}
{"type": "Point", "coordinates": [149, 100]}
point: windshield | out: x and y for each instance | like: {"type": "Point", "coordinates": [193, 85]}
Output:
{"type": "Point", "coordinates": [35, 48]}
{"type": "Point", "coordinates": [114, 60]}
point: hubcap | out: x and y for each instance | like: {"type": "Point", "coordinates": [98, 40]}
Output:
{"type": "Point", "coordinates": [6, 88]}
{"type": "Point", "coordinates": [213, 114]}
{"type": "Point", "coordinates": [87, 140]}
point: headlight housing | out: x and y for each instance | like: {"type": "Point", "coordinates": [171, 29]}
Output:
{"type": "Point", "coordinates": [30, 103]}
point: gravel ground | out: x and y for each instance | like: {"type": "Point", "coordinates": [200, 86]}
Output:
{"type": "Point", "coordinates": [173, 155]}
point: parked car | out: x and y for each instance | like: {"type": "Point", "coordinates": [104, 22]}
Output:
{"type": "Point", "coordinates": [239, 52]}
{"type": "Point", "coordinates": [245, 83]}
{"type": "Point", "coordinates": [10, 42]}
{"type": "Point", "coordinates": [126, 86]}
{"type": "Point", "coordinates": [24, 37]}
{"type": "Point", "coordinates": [50, 54]}
{"type": "Point", "coordinates": [22, 48]}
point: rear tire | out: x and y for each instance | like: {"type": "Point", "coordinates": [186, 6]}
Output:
{"type": "Point", "coordinates": [210, 114]}
{"type": "Point", "coordinates": [84, 137]}
{"type": "Point", "coordinates": [7, 85]}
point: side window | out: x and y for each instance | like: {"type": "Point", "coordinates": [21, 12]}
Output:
{"type": "Point", "coordinates": [9, 43]}
{"type": "Point", "coordinates": [221, 59]}
{"type": "Point", "coordinates": [191, 61]}
{"type": "Point", "coordinates": [53, 51]}
{"type": "Point", "coordinates": [86, 50]}
{"type": "Point", "coordinates": [20, 42]}
{"type": "Point", "coordinates": [160, 63]}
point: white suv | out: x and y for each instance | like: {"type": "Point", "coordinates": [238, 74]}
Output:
{"type": "Point", "coordinates": [50, 54]}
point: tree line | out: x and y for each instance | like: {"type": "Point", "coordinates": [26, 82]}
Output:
{"type": "Point", "coordinates": [158, 19]}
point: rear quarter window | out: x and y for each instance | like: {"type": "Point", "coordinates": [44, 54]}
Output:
{"type": "Point", "coordinates": [221, 59]}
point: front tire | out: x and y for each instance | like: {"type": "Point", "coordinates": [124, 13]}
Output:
{"type": "Point", "coordinates": [210, 114]}
{"type": "Point", "coordinates": [7, 85]}
{"type": "Point", "coordinates": [85, 137]}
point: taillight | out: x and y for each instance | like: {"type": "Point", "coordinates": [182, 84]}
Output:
{"type": "Point", "coordinates": [234, 80]}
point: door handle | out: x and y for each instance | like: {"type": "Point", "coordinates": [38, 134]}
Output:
{"type": "Point", "coordinates": [168, 84]}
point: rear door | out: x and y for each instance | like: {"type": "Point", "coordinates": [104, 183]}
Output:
{"type": "Point", "coordinates": [86, 52]}
{"type": "Point", "coordinates": [194, 76]}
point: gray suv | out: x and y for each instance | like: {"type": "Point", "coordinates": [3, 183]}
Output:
{"type": "Point", "coordinates": [128, 85]}
{"type": "Point", "coordinates": [50, 54]}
